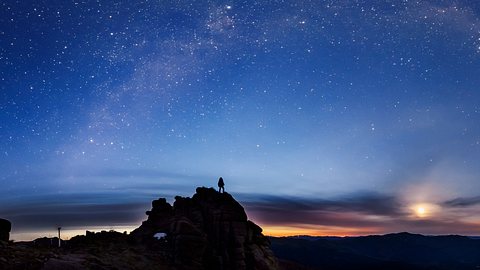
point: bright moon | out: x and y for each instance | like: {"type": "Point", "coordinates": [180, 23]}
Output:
{"type": "Point", "coordinates": [420, 211]}
{"type": "Point", "coordinates": [424, 210]}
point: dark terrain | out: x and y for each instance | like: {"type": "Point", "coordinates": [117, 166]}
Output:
{"type": "Point", "coordinates": [391, 251]}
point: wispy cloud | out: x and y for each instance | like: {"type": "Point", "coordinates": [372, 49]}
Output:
{"type": "Point", "coordinates": [348, 211]}
{"type": "Point", "coordinates": [368, 203]}
{"type": "Point", "coordinates": [463, 202]}
{"type": "Point", "coordinates": [75, 210]}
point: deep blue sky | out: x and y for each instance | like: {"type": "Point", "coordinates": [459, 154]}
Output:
{"type": "Point", "coordinates": [323, 117]}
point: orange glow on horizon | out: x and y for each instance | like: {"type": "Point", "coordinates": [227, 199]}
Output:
{"type": "Point", "coordinates": [281, 231]}
{"type": "Point", "coordinates": [66, 233]}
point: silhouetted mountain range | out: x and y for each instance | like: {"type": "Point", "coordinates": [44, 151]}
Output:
{"type": "Point", "coordinates": [391, 251]}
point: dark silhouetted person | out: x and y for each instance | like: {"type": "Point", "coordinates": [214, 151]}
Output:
{"type": "Point", "coordinates": [221, 185]}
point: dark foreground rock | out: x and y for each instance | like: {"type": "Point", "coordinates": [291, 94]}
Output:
{"type": "Point", "coordinates": [99, 251]}
{"type": "Point", "coordinates": [208, 231]}
{"type": "Point", "coordinates": [5, 228]}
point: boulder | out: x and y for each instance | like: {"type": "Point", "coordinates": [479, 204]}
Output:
{"type": "Point", "coordinates": [5, 228]}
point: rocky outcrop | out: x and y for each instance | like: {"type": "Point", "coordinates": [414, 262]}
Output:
{"type": "Point", "coordinates": [5, 228]}
{"type": "Point", "coordinates": [208, 231]}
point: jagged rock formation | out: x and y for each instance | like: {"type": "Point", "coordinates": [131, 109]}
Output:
{"type": "Point", "coordinates": [5, 228]}
{"type": "Point", "coordinates": [208, 231]}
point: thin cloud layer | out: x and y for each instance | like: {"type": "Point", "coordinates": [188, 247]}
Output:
{"type": "Point", "coordinates": [375, 213]}
{"type": "Point", "coordinates": [75, 210]}
{"type": "Point", "coordinates": [463, 202]}
{"type": "Point", "coordinates": [371, 213]}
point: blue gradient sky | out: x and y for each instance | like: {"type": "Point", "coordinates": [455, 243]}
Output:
{"type": "Point", "coordinates": [320, 107]}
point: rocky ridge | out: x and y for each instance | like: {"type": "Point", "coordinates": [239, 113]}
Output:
{"type": "Point", "coordinates": [208, 231]}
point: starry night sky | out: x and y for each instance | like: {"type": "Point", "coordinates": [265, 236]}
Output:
{"type": "Point", "coordinates": [323, 117]}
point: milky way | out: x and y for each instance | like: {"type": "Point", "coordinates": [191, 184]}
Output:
{"type": "Point", "coordinates": [335, 105]}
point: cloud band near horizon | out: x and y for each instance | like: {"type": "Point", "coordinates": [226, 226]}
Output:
{"type": "Point", "coordinates": [351, 214]}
